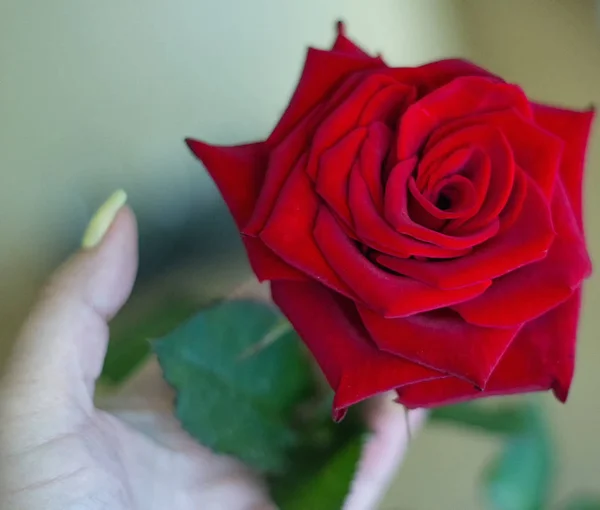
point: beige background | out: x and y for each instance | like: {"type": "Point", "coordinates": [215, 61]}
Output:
{"type": "Point", "coordinates": [98, 95]}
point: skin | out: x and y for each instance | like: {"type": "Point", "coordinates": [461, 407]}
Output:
{"type": "Point", "coordinates": [58, 450]}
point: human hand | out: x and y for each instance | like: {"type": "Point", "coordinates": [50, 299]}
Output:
{"type": "Point", "coordinates": [58, 451]}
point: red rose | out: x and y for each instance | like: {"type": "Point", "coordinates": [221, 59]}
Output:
{"type": "Point", "coordinates": [422, 227]}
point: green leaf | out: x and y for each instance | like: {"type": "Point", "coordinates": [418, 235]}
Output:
{"type": "Point", "coordinates": [505, 419]}
{"type": "Point", "coordinates": [324, 464]}
{"type": "Point", "coordinates": [129, 344]}
{"type": "Point", "coordinates": [584, 503]}
{"type": "Point", "coordinates": [520, 479]}
{"type": "Point", "coordinates": [329, 487]}
{"type": "Point", "coordinates": [239, 372]}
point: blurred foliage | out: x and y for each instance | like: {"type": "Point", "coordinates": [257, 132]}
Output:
{"type": "Point", "coordinates": [324, 461]}
{"type": "Point", "coordinates": [521, 477]}
{"type": "Point", "coordinates": [583, 503]}
{"type": "Point", "coordinates": [326, 481]}
{"type": "Point", "coordinates": [502, 420]}
{"type": "Point", "coordinates": [129, 344]}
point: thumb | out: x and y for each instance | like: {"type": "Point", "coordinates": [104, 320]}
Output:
{"type": "Point", "coordinates": [60, 351]}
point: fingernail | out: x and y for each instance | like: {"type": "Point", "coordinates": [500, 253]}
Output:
{"type": "Point", "coordinates": [103, 219]}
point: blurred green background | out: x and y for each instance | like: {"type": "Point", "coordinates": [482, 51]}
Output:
{"type": "Point", "coordinates": [99, 95]}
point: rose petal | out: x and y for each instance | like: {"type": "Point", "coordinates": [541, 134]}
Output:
{"type": "Point", "coordinates": [288, 231]}
{"type": "Point", "coordinates": [531, 291]}
{"type": "Point", "coordinates": [455, 161]}
{"type": "Point", "coordinates": [238, 172]}
{"type": "Point", "coordinates": [323, 71]}
{"type": "Point", "coordinates": [442, 340]}
{"type": "Point", "coordinates": [388, 105]}
{"type": "Point", "coordinates": [334, 171]}
{"type": "Point", "coordinates": [573, 128]}
{"type": "Point", "coordinates": [266, 265]}
{"type": "Point", "coordinates": [282, 160]}
{"type": "Point", "coordinates": [494, 188]}
{"type": "Point", "coordinates": [458, 189]}
{"type": "Point", "coordinates": [331, 328]}
{"type": "Point", "coordinates": [514, 206]}
{"type": "Point", "coordinates": [461, 194]}
{"type": "Point", "coordinates": [434, 75]}
{"type": "Point", "coordinates": [461, 97]}
{"type": "Point", "coordinates": [344, 117]}
{"type": "Point", "coordinates": [537, 151]}
{"type": "Point", "coordinates": [388, 294]}
{"type": "Point", "coordinates": [448, 156]}
{"type": "Point", "coordinates": [396, 212]}
{"type": "Point", "coordinates": [345, 45]}
{"type": "Point", "coordinates": [372, 158]}
{"type": "Point", "coordinates": [479, 173]}
{"type": "Point", "coordinates": [541, 357]}
{"type": "Point", "coordinates": [285, 155]}
{"type": "Point", "coordinates": [563, 342]}
{"type": "Point", "coordinates": [420, 208]}
{"type": "Point", "coordinates": [527, 241]}
{"type": "Point", "coordinates": [374, 231]}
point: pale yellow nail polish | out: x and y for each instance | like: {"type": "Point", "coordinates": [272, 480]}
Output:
{"type": "Point", "coordinates": [102, 220]}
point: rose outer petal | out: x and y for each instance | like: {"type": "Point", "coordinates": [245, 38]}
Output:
{"type": "Point", "coordinates": [334, 172]}
{"type": "Point", "coordinates": [284, 157]}
{"type": "Point", "coordinates": [343, 44]}
{"type": "Point", "coordinates": [238, 172]}
{"type": "Point", "coordinates": [573, 128]}
{"type": "Point", "coordinates": [288, 231]}
{"type": "Point", "coordinates": [346, 116]}
{"type": "Point", "coordinates": [388, 294]}
{"type": "Point", "coordinates": [322, 72]}
{"type": "Point", "coordinates": [541, 357]}
{"type": "Point", "coordinates": [528, 240]}
{"type": "Point", "coordinates": [266, 265]}
{"type": "Point", "coordinates": [331, 328]}
{"type": "Point", "coordinates": [530, 291]}
{"type": "Point", "coordinates": [442, 340]}
{"type": "Point", "coordinates": [282, 160]}
{"type": "Point", "coordinates": [434, 75]}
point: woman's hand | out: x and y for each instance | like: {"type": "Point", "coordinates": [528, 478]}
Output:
{"type": "Point", "coordinates": [58, 451]}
